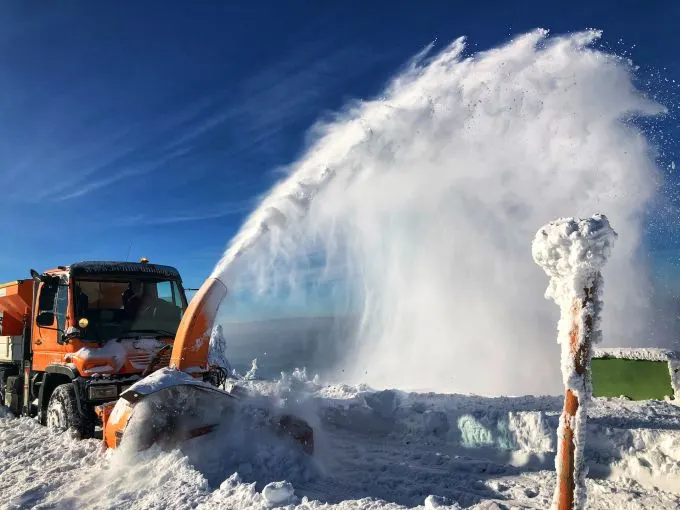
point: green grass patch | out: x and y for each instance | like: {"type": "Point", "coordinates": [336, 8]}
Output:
{"type": "Point", "coordinates": [635, 379]}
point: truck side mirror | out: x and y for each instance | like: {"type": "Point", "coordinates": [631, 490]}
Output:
{"type": "Point", "coordinates": [70, 333]}
{"type": "Point", "coordinates": [45, 318]}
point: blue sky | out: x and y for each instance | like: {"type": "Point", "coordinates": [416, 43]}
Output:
{"type": "Point", "coordinates": [132, 129]}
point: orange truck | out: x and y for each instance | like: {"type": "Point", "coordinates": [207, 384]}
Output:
{"type": "Point", "coordinates": [74, 338]}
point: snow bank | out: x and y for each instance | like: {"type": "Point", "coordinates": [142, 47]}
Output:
{"type": "Point", "coordinates": [572, 252]}
{"type": "Point", "coordinates": [378, 450]}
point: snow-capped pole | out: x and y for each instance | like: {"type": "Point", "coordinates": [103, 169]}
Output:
{"type": "Point", "coordinates": [572, 252]}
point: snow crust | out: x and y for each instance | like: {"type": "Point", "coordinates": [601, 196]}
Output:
{"type": "Point", "coordinates": [639, 353]}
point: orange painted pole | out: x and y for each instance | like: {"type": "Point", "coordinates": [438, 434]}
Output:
{"type": "Point", "coordinates": [581, 355]}
{"type": "Point", "coordinates": [572, 253]}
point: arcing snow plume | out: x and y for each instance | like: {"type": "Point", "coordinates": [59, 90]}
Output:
{"type": "Point", "coordinates": [423, 203]}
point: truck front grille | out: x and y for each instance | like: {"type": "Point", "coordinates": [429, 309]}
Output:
{"type": "Point", "coordinates": [141, 360]}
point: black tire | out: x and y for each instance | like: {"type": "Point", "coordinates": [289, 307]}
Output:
{"type": "Point", "coordinates": [62, 413]}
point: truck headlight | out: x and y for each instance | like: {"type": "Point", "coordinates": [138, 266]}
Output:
{"type": "Point", "coordinates": [102, 391]}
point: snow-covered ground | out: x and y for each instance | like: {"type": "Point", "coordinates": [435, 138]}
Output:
{"type": "Point", "coordinates": [374, 449]}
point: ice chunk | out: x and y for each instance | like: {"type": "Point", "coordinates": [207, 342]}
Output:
{"type": "Point", "coordinates": [278, 493]}
{"type": "Point", "coordinates": [433, 501]}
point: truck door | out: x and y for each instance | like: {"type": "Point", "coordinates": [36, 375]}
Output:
{"type": "Point", "coordinates": [50, 319]}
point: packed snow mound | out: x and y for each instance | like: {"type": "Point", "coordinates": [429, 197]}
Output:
{"type": "Point", "coordinates": [374, 449]}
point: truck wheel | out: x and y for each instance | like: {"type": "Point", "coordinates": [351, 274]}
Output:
{"type": "Point", "coordinates": [63, 415]}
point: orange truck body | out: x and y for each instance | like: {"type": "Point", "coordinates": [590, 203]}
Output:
{"type": "Point", "coordinates": [189, 355]}
{"type": "Point", "coordinates": [74, 344]}
{"type": "Point", "coordinates": [69, 326]}
{"type": "Point", "coordinates": [200, 409]}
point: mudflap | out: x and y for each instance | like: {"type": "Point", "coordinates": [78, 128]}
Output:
{"type": "Point", "coordinates": [175, 414]}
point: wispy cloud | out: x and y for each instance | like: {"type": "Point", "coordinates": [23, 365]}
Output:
{"type": "Point", "coordinates": [87, 155]}
{"type": "Point", "coordinates": [275, 97]}
{"type": "Point", "coordinates": [87, 186]}
{"type": "Point", "coordinates": [220, 211]}
{"type": "Point", "coordinates": [78, 154]}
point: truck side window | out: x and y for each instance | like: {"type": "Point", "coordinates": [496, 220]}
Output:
{"type": "Point", "coordinates": [48, 294]}
{"type": "Point", "coordinates": [62, 306]}
{"type": "Point", "coordinates": [166, 292]}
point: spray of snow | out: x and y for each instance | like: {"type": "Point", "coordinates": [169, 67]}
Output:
{"type": "Point", "coordinates": [252, 373]}
{"type": "Point", "coordinates": [422, 203]}
{"type": "Point", "coordinates": [217, 351]}
{"type": "Point", "coordinates": [572, 253]}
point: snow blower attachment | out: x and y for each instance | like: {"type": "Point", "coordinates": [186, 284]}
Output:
{"type": "Point", "coordinates": [180, 402]}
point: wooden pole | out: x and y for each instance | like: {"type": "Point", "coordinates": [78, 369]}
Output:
{"type": "Point", "coordinates": [580, 352]}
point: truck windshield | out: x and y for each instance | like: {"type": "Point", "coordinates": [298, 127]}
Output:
{"type": "Point", "coordinates": [128, 307]}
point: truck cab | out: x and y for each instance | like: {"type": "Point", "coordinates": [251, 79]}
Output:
{"type": "Point", "coordinates": [75, 337]}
